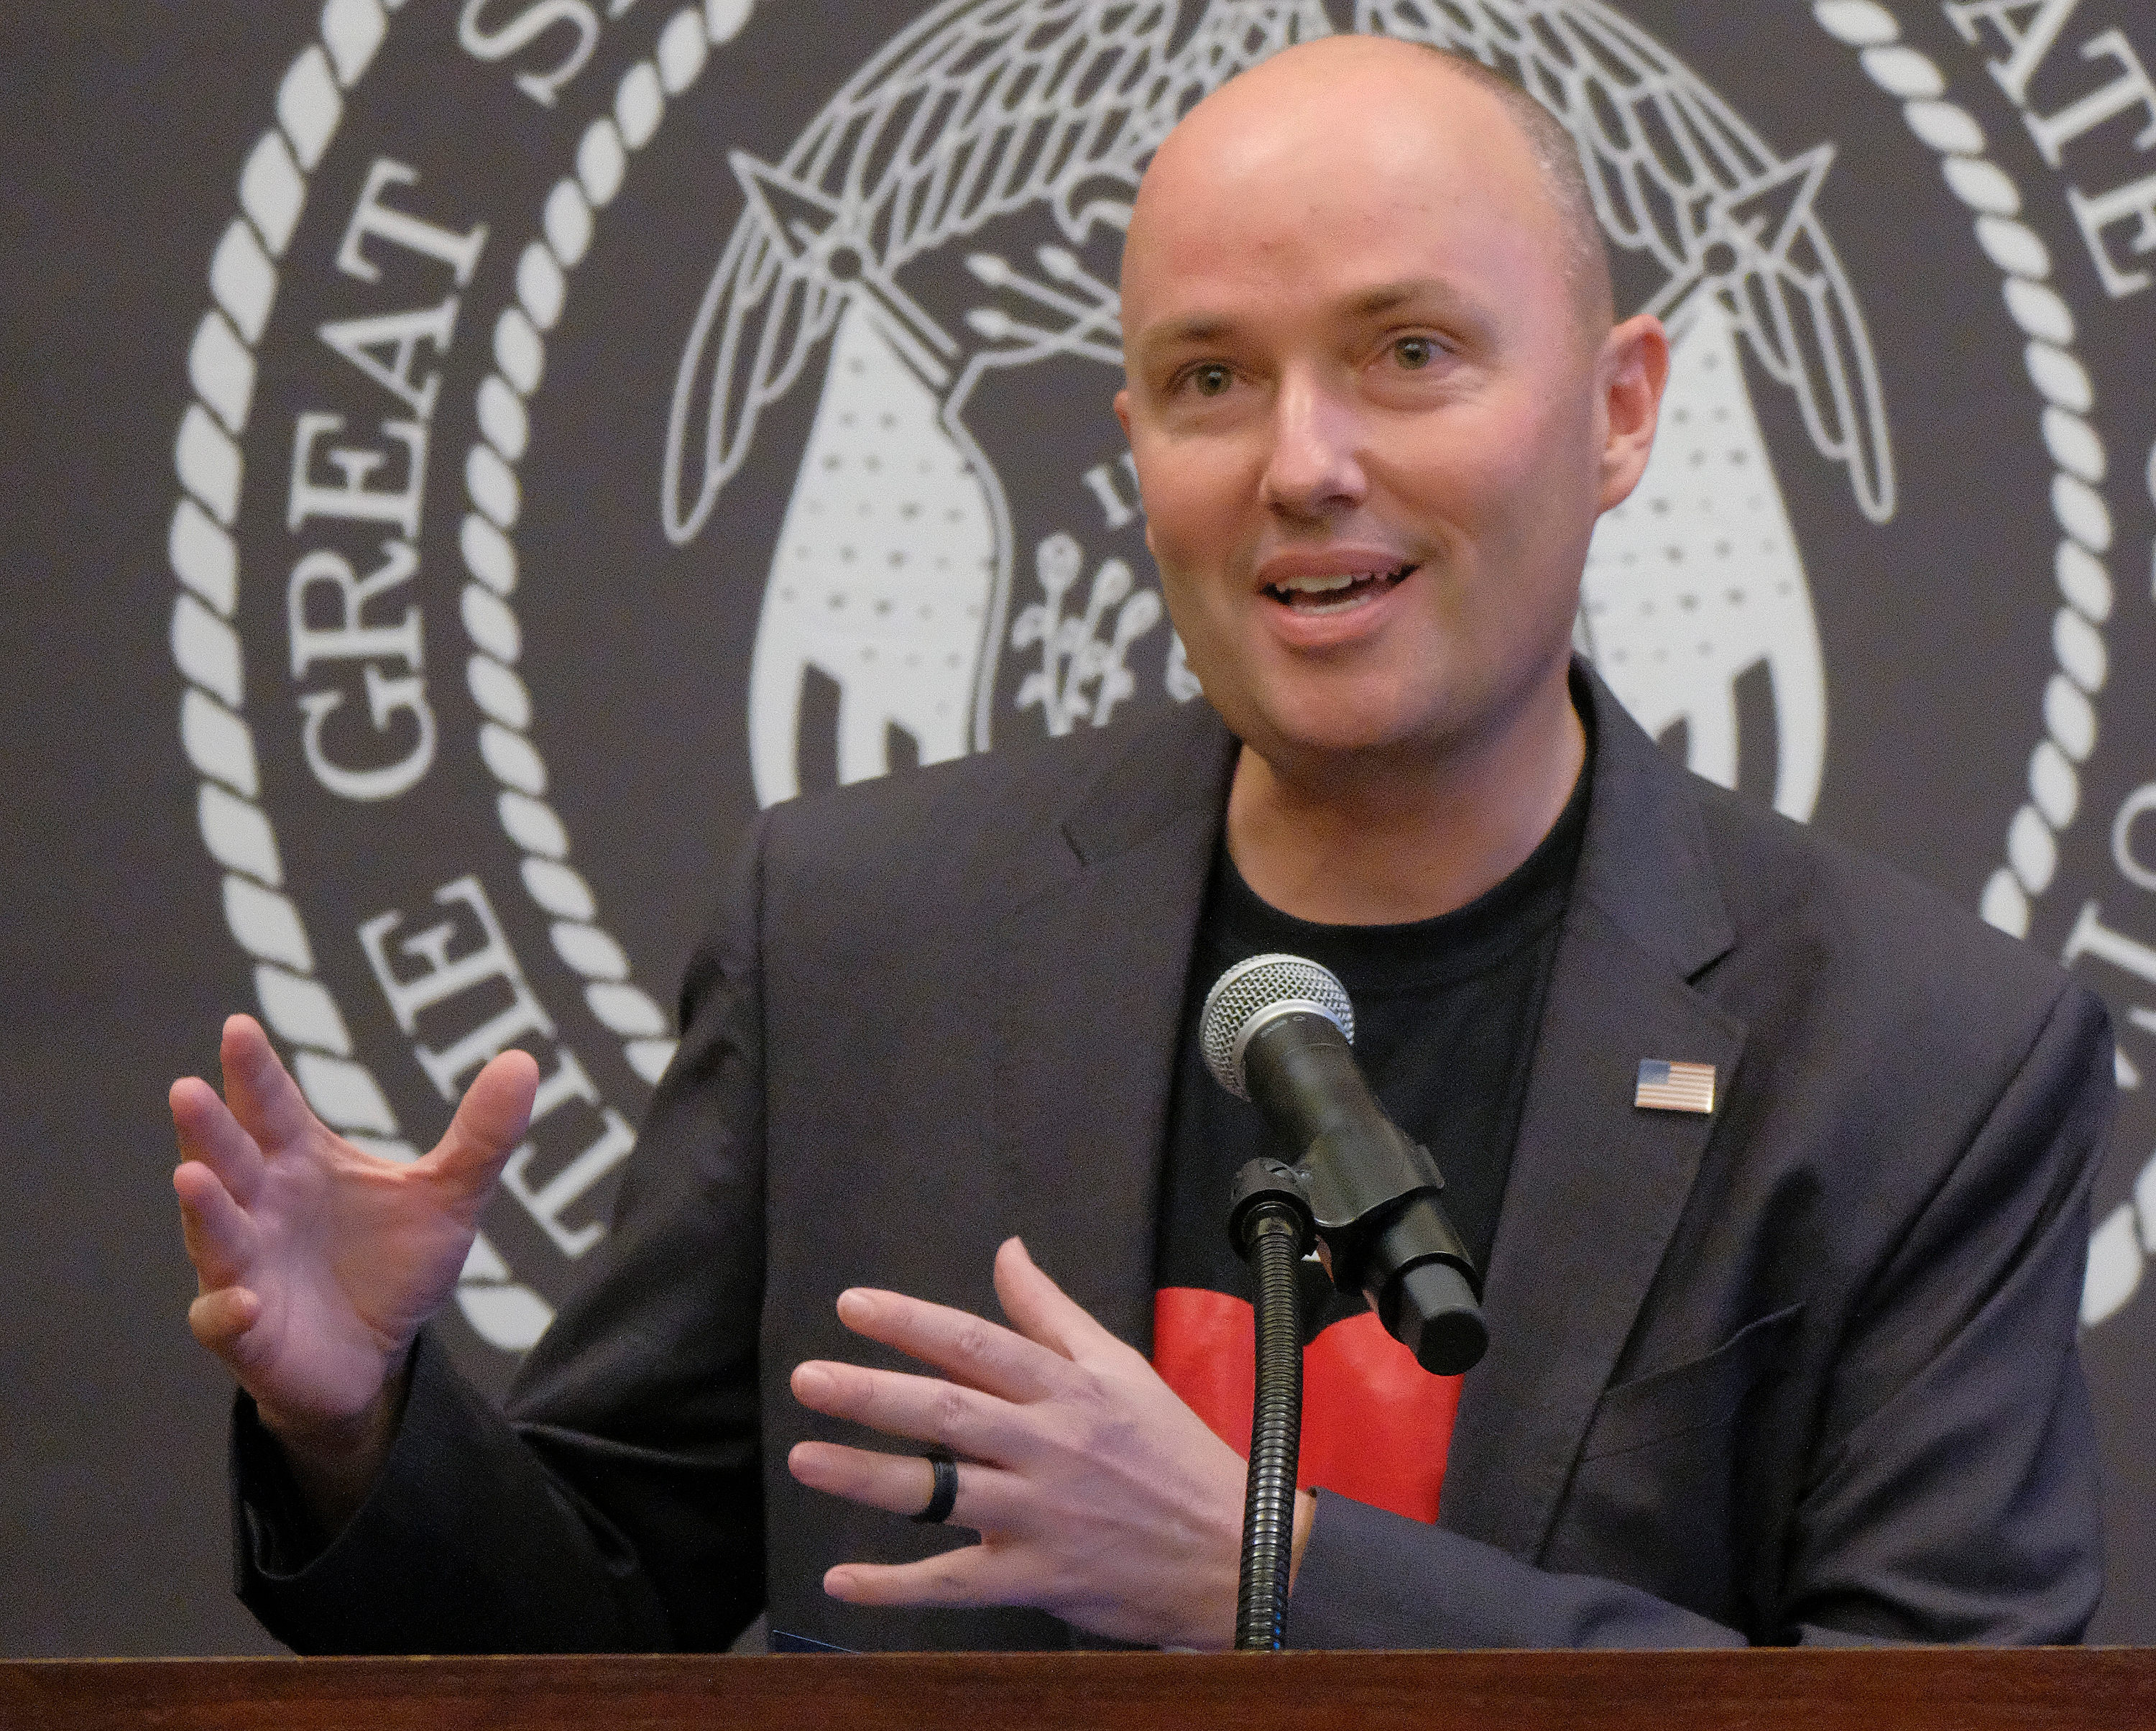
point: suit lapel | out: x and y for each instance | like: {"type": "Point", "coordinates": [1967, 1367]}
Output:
{"type": "Point", "coordinates": [1091, 972]}
{"type": "Point", "coordinates": [1596, 1185]}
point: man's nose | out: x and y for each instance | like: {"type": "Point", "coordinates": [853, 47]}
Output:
{"type": "Point", "coordinates": [1314, 469]}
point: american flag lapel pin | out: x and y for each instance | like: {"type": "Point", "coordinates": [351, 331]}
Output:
{"type": "Point", "coordinates": [1667, 1087]}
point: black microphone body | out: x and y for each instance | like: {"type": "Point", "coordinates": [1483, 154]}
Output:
{"type": "Point", "coordinates": [1372, 1191]}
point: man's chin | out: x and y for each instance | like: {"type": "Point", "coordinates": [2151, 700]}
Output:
{"type": "Point", "coordinates": [1346, 733]}
{"type": "Point", "coordinates": [1322, 737]}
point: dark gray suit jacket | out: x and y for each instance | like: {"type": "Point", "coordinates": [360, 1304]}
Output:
{"type": "Point", "coordinates": [1804, 1370]}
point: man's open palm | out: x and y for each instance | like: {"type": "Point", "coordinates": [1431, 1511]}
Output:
{"type": "Point", "coordinates": [317, 1262]}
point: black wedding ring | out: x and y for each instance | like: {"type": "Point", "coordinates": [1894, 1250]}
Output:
{"type": "Point", "coordinates": [945, 1496]}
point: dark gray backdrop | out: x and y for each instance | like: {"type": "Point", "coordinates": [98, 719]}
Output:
{"type": "Point", "coordinates": [1920, 644]}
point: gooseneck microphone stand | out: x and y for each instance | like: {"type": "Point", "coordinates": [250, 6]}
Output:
{"type": "Point", "coordinates": [1275, 1030]}
{"type": "Point", "coordinates": [1271, 1229]}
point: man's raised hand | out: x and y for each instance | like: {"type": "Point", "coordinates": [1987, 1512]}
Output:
{"type": "Point", "coordinates": [317, 1262]}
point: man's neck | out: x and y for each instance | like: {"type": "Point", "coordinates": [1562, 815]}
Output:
{"type": "Point", "coordinates": [1374, 844]}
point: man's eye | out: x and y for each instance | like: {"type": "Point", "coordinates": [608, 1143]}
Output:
{"type": "Point", "coordinates": [1210, 379]}
{"type": "Point", "coordinates": [1413, 352]}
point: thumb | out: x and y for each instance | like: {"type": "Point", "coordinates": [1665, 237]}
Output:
{"type": "Point", "coordinates": [490, 1121]}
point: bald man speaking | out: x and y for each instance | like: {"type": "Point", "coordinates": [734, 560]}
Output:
{"type": "Point", "coordinates": [1789, 1359]}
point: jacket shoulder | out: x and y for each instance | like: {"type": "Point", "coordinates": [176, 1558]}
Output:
{"type": "Point", "coordinates": [1865, 931]}
{"type": "Point", "coordinates": [997, 820]}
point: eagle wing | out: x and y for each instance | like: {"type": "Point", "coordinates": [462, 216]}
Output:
{"type": "Point", "coordinates": [1677, 174]}
{"type": "Point", "coordinates": [981, 108]}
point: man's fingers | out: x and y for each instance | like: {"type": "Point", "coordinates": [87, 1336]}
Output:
{"type": "Point", "coordinates": [926, 1408]}
{"type": "Point", "coordinates": [490, 1121]}
{"type": "Point", "coordinates": [218, 1319]}
{"type": "Point", "coordinates": [207, 1131]}
{"type": "Point", "coordinates": [901, 1484]}
{"type": "Point", "coordinates": [966, 1348]}
{"type": "Point", "coordinates": [972, 1575]}
{"type": "Point", "coordinates": [1041, 1310]}
{"type": "Point", "coordinates": [259, 1090]}
{"type": "Point", "coordinates": [221, 1240]}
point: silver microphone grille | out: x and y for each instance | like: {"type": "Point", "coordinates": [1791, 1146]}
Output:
{"type": "Point", "coordinates": [1251, 994]}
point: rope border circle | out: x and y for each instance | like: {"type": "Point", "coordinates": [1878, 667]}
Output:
{"type": "Point", "coordinates": [2076, 448]}
{"type": "Point", "coordinates": [216, 738]}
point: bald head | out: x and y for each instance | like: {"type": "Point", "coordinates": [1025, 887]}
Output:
{"type": "Point", "coordinates": [1377, 402]}
{"type": "Point", "coordinates": [1321, 89]}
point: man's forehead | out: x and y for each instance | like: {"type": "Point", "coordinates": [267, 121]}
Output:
{"type": "Point", "coordinates": [1339, 238]}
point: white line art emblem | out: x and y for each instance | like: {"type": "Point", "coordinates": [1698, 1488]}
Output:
{"type": "Point", "coordinates": [893, 576]}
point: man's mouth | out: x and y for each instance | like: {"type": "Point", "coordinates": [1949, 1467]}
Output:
{"type": "Point", "coordinates": [1334, 591]}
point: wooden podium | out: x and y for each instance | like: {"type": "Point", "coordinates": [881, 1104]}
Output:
{"type": "Point", "coordinates": [1903, 1690]}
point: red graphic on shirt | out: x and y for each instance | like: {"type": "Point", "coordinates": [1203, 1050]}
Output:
{"type": "Point", "coordinates": [1376, 1425]}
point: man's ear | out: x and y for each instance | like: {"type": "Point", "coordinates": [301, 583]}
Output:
{"type": "Point", "coordinates": [1630, 373]}
{"type": "Point", "coordinates": [1123, 416]}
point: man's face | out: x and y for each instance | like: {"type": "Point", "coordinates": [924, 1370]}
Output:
{"type": "Point", "coordinates": [1367, 412]}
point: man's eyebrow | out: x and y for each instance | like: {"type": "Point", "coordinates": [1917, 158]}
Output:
{"type": "Point", "coordinates": [1372, 302]}
{"type": "Point", "coordinates": [1193, 327]}
{"type": "Point", "coordinates": [1388, 297]}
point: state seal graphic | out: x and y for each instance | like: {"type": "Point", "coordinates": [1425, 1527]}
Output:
{"type": "Point", "coordinates": [609, 418]}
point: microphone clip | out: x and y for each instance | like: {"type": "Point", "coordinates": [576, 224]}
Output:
{"type": "Point", "coordinates": [1371, 1192]}
{"type": "Point", "coordinates": [1267, 1191]}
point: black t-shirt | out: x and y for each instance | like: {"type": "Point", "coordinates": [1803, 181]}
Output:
{"type": "Point", "coordinates": [1446, 1012]}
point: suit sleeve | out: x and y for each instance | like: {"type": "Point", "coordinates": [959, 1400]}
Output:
{"type": "Point", "coordinates": [1951, 1493]}
{"type": "Point", "coordinates": [618, 1504]}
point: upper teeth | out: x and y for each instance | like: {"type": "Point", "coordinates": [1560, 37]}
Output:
{"type": "Point", "coordinates": [1320, 585]}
